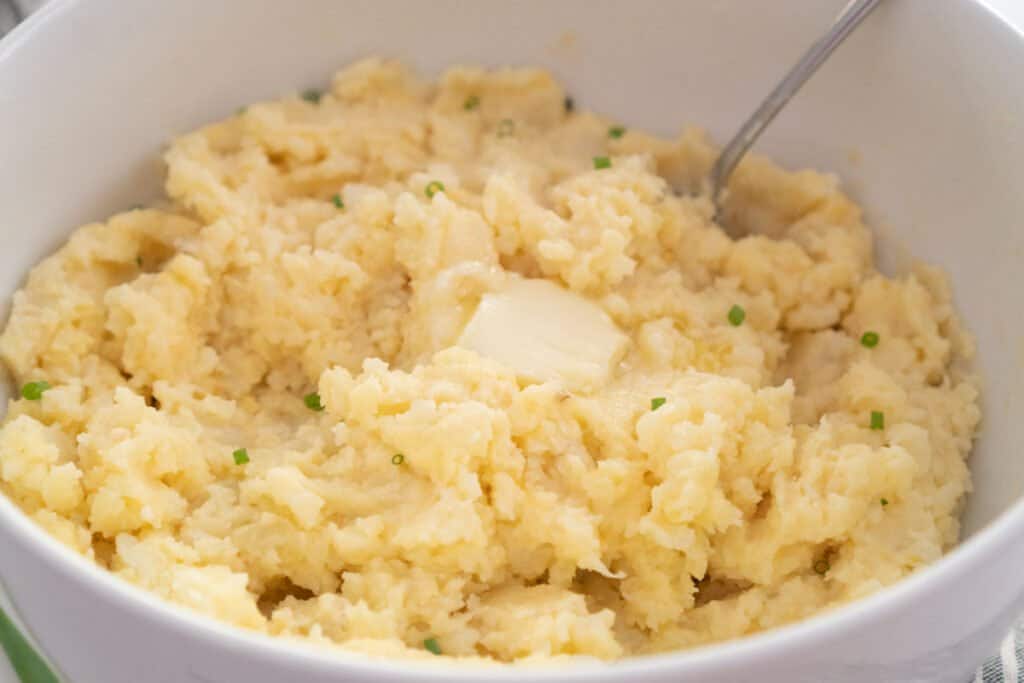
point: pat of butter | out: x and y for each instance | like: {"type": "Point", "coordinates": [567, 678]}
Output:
{"type": "Point", "coordinates": [545, 332]}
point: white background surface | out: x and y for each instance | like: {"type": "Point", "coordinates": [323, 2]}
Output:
{"type": "Point", "coordinates": [1011, 10]}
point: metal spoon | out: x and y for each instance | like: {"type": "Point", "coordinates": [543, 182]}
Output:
{"type": "Point", "coordinates": [852, 15]}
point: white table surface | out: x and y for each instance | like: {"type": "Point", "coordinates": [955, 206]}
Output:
{"type": "Point", "coordinates": [1011, 10]}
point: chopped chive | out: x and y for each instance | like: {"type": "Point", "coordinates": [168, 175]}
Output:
{"type": "Point", "coordinates": [506, 127]}
{"type": "Point", "coordinates": [33, 391]}
{"type": "Point", "coordinates": [471, 103]}
{"type": "Point", "coordinates": [737, 315]}
{"type": "Point", "coordinates": [432, 645]}
{"type": "Point", "coordinates": [138, 261]}
{"type": "Point", "coordinates": [869, 340]}
{"type": "Point", "coordinates": [241, 456]}
{"type": "Point", "coordinates": [336, 200]}
{"type": "Point", "coordinates": [313, 402]}
{"type": "Point", "coordinates": [397, 459]}
{"type": "Point", "coordinates": [657, 402]}
{"type": "Point", "coordinates": [432, 188]}
{"type": "Point", "coordinates": [877, 419]}
{"type": "Point", "coordinates": [570, 104]}
{"type": "Point", "coordinates": [602, 162]}
{"type": "Point", "coordinates": [312, 96]}
{"type": "Point", "coordinates": [821, 567]}
{"type": "Point", "coordinates": [616, 132]}
{"type": "Point", "coordinates": [241, 111]}
{"type": "Point", "coordinates": [884, 501]}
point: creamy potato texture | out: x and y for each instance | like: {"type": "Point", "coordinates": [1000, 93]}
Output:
{"type": "Point", "coordinates": [541, 433]}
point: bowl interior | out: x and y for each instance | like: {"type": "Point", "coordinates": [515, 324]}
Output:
{"type": "Point", "coordinates": [914, 113]}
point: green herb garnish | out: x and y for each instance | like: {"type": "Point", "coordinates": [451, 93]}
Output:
{"type": "Point", "coordinates": [869, 340]}
{"type": "Point", "coordinates": [472, 102]}
{"type": "Point", "coordinates": [33, 391]}
{"type": "Point", "coordinates": [336, 200]}
{"type": "Point", "coordinates": [432, 188]}
{"type": "Point", "coordinates": [657, 402]}
{"type": "Point", "coordinates": [602, 162]}
{"type": "Point", "coordinates": [312, 96]}
{"type": "Point", "coordinates": [241, 456]}
{"type": "Point", "coordinates": [884, 501]}
{"type": "Point", "coordinates": [241, 111]}
{"type": "Point", "coordinates": [432, 645]}
{"type": "Point", "coordinates": [737, 315]}
{"type": "Point", "coordinates": [616, 132]}
{"type": "Point", "coordinates": [397, 459]}
{"type": "Point", "coordinates": [313, 402]}
{"type": "Point", "coordinates": [506, 128]}
{"type": "Point", "coordinates": [877, 419]}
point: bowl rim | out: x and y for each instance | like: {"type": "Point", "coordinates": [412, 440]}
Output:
{"type": "Point", "coordinates": [979, 549]}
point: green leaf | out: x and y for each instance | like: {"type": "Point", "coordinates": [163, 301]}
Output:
{"type": "Point", "coordinates": [737, 315]}
{"type": "Point", "coordinates": [33, 391]}
{"type": "Point", "coordinates": [433, 188]}
{"type": "Point", "coordinates": [432, 645]}
{"type": "Point", "coordinates": [27, 663]}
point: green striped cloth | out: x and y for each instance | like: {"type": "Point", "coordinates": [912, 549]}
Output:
{"type": "Point", "coordinates": [1008, 666]}
{"type": "Point", "coordinates": [25, 661]}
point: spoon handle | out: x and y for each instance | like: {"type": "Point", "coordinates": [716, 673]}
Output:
{"type": "Point", "coordinates": [852, 15]}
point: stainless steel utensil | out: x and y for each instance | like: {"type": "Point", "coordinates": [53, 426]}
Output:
{"type": "Point", "coordinates": [852, 15]}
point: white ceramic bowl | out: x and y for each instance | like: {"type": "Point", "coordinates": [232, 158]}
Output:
{"type": "Point", "coordinates": [919, 113]}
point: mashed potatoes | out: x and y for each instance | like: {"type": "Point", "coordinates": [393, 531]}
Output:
{"type": "Point", "coordinates": [406, 364]}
